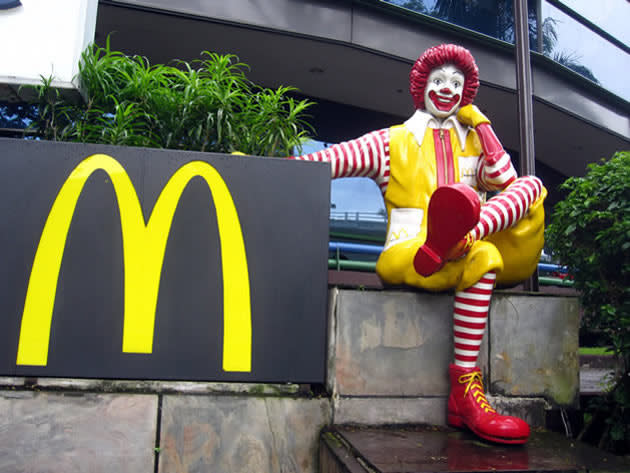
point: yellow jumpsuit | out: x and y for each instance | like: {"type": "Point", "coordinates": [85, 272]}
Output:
{"type": "Point", "coordinates": [512, 253]}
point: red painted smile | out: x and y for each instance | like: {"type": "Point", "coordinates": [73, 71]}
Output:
{"type": "Point", "coordinates": [443, 103]}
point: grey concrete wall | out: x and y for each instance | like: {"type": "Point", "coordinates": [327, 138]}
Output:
{"type": "Point", "coordinates": [53, 432]}
{"type": "Point", "coordinates": [533, 347]}
{"type": "Point", "coordinates": [393, 344]}
{"type": "Point", "coordinates": [391, 351]}
{"type": "Point", "coordinates": [62, 425]}
{"type": "Point", "coordinates": [241, 434]}
{"type": "Point", "coordinates": [388, 353]}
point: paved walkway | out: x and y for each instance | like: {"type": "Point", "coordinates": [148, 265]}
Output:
{"type": "Point", "coordinates": [425, 449]}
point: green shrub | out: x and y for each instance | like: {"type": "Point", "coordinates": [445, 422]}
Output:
{"type": "Point", "coordinates": [590, 233]}
{"type": "Point", "coordinates": [205, 105]}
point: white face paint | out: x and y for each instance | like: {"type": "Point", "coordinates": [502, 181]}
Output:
{"type": "Point", "coordinates": [443, 92]}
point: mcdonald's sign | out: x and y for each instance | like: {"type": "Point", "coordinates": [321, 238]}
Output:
{"type": "Point", "coordinates": [152, 264]}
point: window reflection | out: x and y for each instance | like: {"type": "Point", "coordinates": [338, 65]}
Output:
{"type": "Point", "coordinates": [563, 39]}
{"type": "Point", "coordinates": [610, 15]}
{"type": "Point", "coordinates": [583, 51]}
{"type": "Point", "coordinates": [493, 18]}
{"type": "Point", "coordinates": [351, 198]}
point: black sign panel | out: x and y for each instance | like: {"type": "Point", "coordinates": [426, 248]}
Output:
{"type": "Point", "coordinates": [134, 263]}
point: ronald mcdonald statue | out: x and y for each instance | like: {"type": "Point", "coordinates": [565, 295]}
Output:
{"type": "Point", "coordinates": [434, 171]}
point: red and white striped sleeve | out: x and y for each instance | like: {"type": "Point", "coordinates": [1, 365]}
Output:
{"type": "Point", "coordinates": [367, 156]}
{"type": "Point", "coordinates": [496, 176]}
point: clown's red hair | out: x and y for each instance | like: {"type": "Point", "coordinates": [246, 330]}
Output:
{"type": "Point", "coordinates": [438, 56]}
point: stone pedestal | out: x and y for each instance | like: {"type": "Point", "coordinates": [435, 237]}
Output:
{"type": "Point", "coordinates": [389, 353]}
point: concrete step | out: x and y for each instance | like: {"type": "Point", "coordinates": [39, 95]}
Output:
{"type": "Point", "coordinates": [424, 449]}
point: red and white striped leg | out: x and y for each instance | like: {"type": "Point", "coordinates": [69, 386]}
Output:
{"type": "Point", "coordinates": [507, 208]}
{"type": "Point", "coordinates": [469, 320]}
{"type": "Point", "coordinates": [467, 402]}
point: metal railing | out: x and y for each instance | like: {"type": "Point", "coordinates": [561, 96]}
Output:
{"type": "Point", "coordinates": [358, 216]}
{"type": "Point", "coordinates": [339, 253]}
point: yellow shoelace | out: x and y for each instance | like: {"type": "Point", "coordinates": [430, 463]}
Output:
{"type": "Point", "coordinates": [469, 242]}
{"type": "Point", "coordinates": [474, 383]}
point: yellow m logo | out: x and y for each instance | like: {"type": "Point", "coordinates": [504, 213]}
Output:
{"type": "Point", "coordinates": [143, 246]}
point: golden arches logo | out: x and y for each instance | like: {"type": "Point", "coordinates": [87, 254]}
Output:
{"type": "Point", "coordinates": [468, 171]}
{"type": "Point", "coordinates": [143, 247]}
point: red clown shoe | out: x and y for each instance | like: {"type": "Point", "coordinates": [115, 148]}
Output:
{"type": "Point", "coordinates": [453, 211]}
{"type": "Point", "coordinates": [468, 407]}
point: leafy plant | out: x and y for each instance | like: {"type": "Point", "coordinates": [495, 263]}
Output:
{"type": "Point", "coordinates": [590, 233]}
{"type": "Point", "coordinates": [204, 105]}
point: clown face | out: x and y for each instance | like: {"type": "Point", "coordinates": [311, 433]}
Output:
{"type": "Point", "coordinates": [443, 92]}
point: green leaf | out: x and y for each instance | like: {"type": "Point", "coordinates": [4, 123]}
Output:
{"type": "Point", "coordinates": [617, 431]}
{"type": "Point", "coordinates": [590, 232]}
{"type": "Point", "coordinates": [570, 229]}
{"type": "Point", "coordinates": [207, 104]}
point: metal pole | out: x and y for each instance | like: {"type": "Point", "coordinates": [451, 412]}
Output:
{"type": "Point", "coordinates": [525, 107]}
{"type": "Point", "coordinates": [539, 27]}
{"type": "Point", "coordinates": [524, 88]}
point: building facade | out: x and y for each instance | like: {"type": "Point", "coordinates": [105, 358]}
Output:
{"type": "Point", "coordinates": [352, 57]}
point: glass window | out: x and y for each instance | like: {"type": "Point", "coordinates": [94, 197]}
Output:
{"type": "Point", "coordinates": [564, 39]}
{"type": "Point", "coordinates": [15, 117]}
{"type": "Point", "coordinates": [610, 15]}
{"type": "Point", "coordinates": [493, 18]}
{"type": "Point", "coordinates": [575, 46]}
{"type": "Point", "coordinates": [355, 202]}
